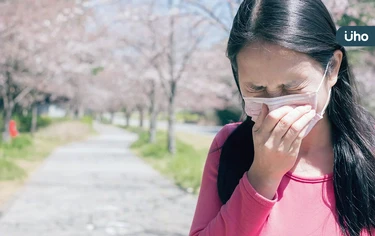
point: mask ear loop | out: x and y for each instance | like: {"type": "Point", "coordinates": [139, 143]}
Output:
{"type": "Point", "coordinates": [329, 93]}
{"type": "Point", "coordinates": [324, 76]}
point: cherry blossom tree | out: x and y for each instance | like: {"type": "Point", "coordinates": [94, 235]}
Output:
{"type": "Point", "coordinates": [30, 33]}
{"type": "Point", "coordinates": [180, 41]}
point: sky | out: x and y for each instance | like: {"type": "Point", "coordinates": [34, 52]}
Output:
{"type": "Point", "coordinates": [108, 12]}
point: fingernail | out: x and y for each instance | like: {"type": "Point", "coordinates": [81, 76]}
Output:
{"type": "Point", "coordinates": [308, 107]}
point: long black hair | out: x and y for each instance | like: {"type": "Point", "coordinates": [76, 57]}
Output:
{"type": "Point", "coordinates": [306, 26]}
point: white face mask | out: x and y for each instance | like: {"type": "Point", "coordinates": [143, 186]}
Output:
{"type": "Point", "coordinates": [253, 105]}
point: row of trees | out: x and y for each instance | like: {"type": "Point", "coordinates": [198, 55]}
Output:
{"type": "Point", "coordinates": [30, 68]}
{"type": "Point", "coordinates": [108, 56]}
{"type": "Point", "coordinates": [172, 42]}
{"type": "Point", "coordinates": [129, 56]}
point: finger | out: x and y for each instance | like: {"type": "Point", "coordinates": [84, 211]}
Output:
{"type": "Point", "coordinates": [302, 124]}
{"type": "Point", "coordinates": [262, 115]}
{"type": "Point", "coordinates": [274, 117]}
{"type": "Point", "coordinates": [285, 128]}
{"type": "Point", "coordinates": [296, 144]}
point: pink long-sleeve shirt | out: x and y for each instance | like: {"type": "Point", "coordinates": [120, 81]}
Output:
{"type": "Point", "coordinates": [301, 206]}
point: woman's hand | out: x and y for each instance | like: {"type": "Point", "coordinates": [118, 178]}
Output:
{"type": "Point", "coordinates": [277, 139]}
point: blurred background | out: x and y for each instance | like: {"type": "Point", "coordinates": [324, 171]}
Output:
{"type": "Point", "coordinates": [150, 76]}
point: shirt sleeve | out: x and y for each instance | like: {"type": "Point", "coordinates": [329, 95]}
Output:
{"type": "Point", "coordinates": [244, 214]}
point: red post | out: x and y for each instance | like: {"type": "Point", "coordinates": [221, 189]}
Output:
{"type": "Point", "coordinates": [13, 129]}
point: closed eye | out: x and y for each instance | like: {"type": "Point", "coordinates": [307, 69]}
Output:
{"type": "Point", "coordinates": [253, 88]}
{"type": "Point", "coordinates": [295, 89]}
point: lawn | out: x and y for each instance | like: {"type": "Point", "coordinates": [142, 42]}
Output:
{"type": "Point", "coordinates": [26, 153]}
{"type": "Point", "coordinates": [185, 167]}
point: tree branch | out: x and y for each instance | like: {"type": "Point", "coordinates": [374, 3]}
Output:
{"type": "Point", "coordinates": [210, 13]}
{"type": "Point", "coordinates": [21, 95]}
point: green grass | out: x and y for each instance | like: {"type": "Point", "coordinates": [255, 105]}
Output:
{"type": "Point", "coordinates": [87, 120]}
{"type": "Point", "coordinates": [185, 167]}
{"type": "Point", "coordinates": [19, 147]}
{"type": "Point", "coordinates": [21, 142]}
{"type": "Point", "coordinates": [60, 119]}
{"type": "Point", "coordinates": [187, 117]}
{"type": "Point", "coordinates": [35, 148]}
{"type": "Point", "coordinates": [10, 171]}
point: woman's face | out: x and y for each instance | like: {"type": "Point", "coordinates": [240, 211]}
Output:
{"type": "Point", "coordinates": [266, 70]}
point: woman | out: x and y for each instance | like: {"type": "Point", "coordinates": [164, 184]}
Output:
{"type": "Point", "coordinates": [303, 162]}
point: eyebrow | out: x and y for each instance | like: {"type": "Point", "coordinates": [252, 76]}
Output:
{"type": "Point", "coordinates": [293, 83]}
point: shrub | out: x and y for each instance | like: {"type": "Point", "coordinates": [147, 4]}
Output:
{"type": "Point", "coordinates": [229, 115]}
{"type": "Point", "coordinates": [24, 122]}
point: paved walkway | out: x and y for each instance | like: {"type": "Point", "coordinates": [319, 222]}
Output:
{"type": "Point", "coordinates": [98, 187]}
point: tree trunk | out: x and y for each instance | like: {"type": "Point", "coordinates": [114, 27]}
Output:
{"type": "Point", "coordinates": [172, 92]}
{"type": "Point", "coordinates": [141, 116]}
{"type": "Point", "coordinates": [171, 124]}
{"type": "Point", "coordinates": [127, 118]}
{"type": "Point", "coordinates": [153, 127]}
{"type": "Point", "coordinates": [34, 119]}
{"type": "Point", "coordinates": [153, 114]}
{"type": "Point", "coordinates": [171, 120]}
{"type": "Point", "coordinates": [76, 113]}
{"type": "Point", "coordinates": [8, 115]}
{"type": "Point", "coordinates": [81, 112]}
{"type": "Point", "coordinates": [112, 117]}
{"type": "Point", "coordinates": [70, 111]}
